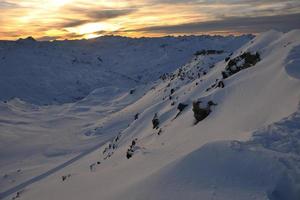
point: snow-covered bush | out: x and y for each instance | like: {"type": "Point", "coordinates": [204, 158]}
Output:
{"type": "Point", "coordinates": [200, 113]}
{"type": "Point", "coordinates": [241, 62]}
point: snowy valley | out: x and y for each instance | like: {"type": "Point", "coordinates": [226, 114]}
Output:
{"type": "Point", "coordinates": [193, 117]}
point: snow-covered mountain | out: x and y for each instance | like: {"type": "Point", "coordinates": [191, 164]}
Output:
{"type": "Point", "coordinates": [67, 71]}
{"type": "Point", "coordinates": [100, 76]}
{"type": "Point", "coordinates": [222, 126]}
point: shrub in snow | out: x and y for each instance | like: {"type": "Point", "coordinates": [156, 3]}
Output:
{"type": "Point", "coordinates": [155, 121]}
{"type": "Point", "coordinates": [224, 75]}
{"type": "Point", "coordinates": [136, 116]}
{"type": "Point", "coordinates": [92, 167]}
{"type": "Point", "coordinates": [208, 52]}
{"type": "Point", "coordinates": [65, 177]}
{"type": "Point", "coordinates": [181, 106]}
{"type": "Point", "coordinates": [133, 143]}
{"type": "Point", "coordinates": [172, 91]}
{"type": "Point", "coordinates": [211, 103]}
{"type": "Point", "coordinates": [159, 132]}
{"type": "Point", "coordinates": [221, 84]}
{"type": "Point", "coordinates": [201, 113]}
{"type": "Point", "coordinates": [132, 91]}
{"type": "Point", "coordinates": [239, 63]}
{"type": "Point", "coordinates": [130, 151]}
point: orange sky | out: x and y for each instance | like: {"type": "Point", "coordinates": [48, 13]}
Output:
{"type": "Point", "coordinates": [73, 19]}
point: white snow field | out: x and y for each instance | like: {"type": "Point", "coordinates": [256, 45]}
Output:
{"type": "Point", "coordinates": [246, 147]}
{"type": "Point", "coordinates": [62, 99]}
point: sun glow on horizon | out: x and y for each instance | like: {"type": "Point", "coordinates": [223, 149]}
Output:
{"type": "Point", "coordinates": [74, 19]}
{"type": "Point", "coordinates": [93, 28]}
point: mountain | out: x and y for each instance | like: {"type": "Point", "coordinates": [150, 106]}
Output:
{"type": "Point", "coordinates": [62, 99]}
{"type": "Point", "coordinates": [59, 72]}
{"type": "Point", "coordinates": [222, 126]}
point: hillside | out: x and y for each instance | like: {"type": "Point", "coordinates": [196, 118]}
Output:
{"type": "Point", "coordinates": [97, 78]}
{"type": "Point", "coordinates": [222, 126]}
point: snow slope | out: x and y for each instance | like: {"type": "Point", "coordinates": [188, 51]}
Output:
{"type": "Point", "coordinates": [247, 147]}
{"type": "Point", "coordinates": [99, 77]}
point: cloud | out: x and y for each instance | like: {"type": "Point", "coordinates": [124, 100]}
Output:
{"type": "Point", "coordinates": [137, 18]}
{"type": "Point", "coordinates": [232, 24]}
{"type": "Point", "coordinates": [71, 23]}
{"type": "Point", "coordinates": [108, 14]}
{"type": "Point", "coordinates": [88, 16]}
{"type": "Point", "coordinates": [99, 14]}
{"type": "Point", "coordinates": [8, 5]}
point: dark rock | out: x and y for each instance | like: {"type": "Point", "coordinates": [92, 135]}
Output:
{"type": "Point", "coordinates": [155, 122]}
{"type": "Point", "coordinates": [181, 106]}
{"type": "Point", "coordinates": [132, 91]}
{"type": "Point", "coordinates": [221, 84]}
{"type": "Point", "coordinates": [199, 112]}
{"type": "Point", "coordinates": [172, 91]}
{"type": "Point", "coordinates": [136, 116]}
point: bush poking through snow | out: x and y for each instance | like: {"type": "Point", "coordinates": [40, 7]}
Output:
{"type": "Point", "coordinates": [181, 106]}
{"type": "Point", "coordinates": [200, 113]}
{"type": "Point", "coordinates": [132, 91]}
{"type": "Point", "coordinates": [208, 52]}
{"type": "Point", "coordinates": [239, 63]}
{"type": "Point", "coordinates": [220, 84]}
{"type": "Point", "coordinates": [155, 121]}
{"type": "Point", "coordinates": [159, 131]}
{"type": "Point", "coordinates": [211, 103]}
{"type": "Point", "coordinates": [172, 91]}
{"type": "Point", "coordinates": [130, 151]}
{"type": "Point", "coordinates": [65, 177]}
{"type": "Point", "coordinates": [136, 116]}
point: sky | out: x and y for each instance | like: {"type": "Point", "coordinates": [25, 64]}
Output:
{"type": "Point", "coordinates": [75, 19]}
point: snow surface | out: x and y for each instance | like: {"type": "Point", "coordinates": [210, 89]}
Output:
{"type": "Point", "coordinates": [247, 148]}
{"type": "Point", "coordinates": [97, 76]}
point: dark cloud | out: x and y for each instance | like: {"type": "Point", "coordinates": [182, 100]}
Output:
{"type": "Point", "coordinates": [90, 16]}
{"type": "Point", "coordinates": [232, 24]}
{"type": "Point", "coordinates": [228, 2]}
{"type": "Point", "coordinates": [7, 5]}
{"type": "Point", "coordinates": [71, 23]}
{"type": "Point", "coordinates": [108, 14]}
{"type": "Point", "coordinates": [95, 15]}
{"type": "Point", "coordinates": [67, 35]}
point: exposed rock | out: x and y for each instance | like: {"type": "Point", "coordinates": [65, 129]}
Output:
{"type": "Point", "coordinates": [208, 52]}
{"type": "Point", "coordinates": [200, 113]}
{"type": "Point", "coordinates": [136, 116]}
{"type": "Point", "coordinates": [181, 106]}
{"type": "Point", "coordinates": [239, 63]}
{"type": "Point", "coordinates": [155, 121]}
{"type": "Point", "coordinates": [132, 91]}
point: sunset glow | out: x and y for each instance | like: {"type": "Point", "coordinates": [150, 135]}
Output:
{"type": "Point", "coordinates": [73, 19]}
